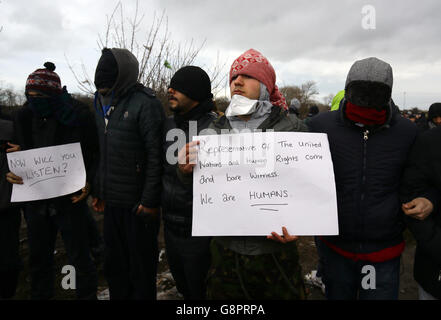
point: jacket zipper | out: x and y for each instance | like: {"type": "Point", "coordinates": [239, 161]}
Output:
{"type": "Point", "coordinates": [104, 180]}
{"type": "Point", "coordinates": [363, 179]}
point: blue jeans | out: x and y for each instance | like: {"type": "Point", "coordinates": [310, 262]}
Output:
{"type": "Point", "coordinates": [346, 279]}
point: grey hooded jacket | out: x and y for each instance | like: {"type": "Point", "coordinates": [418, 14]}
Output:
{"type": "Point", "coordinates": [130, 166]}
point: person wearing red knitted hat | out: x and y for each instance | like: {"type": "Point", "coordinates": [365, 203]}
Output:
{"type": "Point", "coordinates": [44, 80]}
{"type": "Point", "coordinates": [49, 118]}
{"type": "Point", "coordinates": [252, 267]}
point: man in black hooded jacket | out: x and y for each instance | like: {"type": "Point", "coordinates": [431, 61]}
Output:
{"type": "Point", "coordinates": [190, 99]}
{"type": "Point", "coordinates": [128, 182]}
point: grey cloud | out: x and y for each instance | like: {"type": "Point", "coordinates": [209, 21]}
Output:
{"type": "Point", "coordinates": [312, 29]}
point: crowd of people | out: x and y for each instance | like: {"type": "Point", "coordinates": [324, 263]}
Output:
{"type": "Point", "coordinates": [387, 176]}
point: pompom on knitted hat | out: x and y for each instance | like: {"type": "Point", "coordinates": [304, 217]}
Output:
{"type": "Point", "coordinates": [253, 64]}
{"type": "Point", "coordinates": [44, 80]}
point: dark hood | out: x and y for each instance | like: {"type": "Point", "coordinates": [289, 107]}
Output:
{"type": "Point", "coordinates": [128, 71]}
{"type": "Point", "coordinates": [434, 111]}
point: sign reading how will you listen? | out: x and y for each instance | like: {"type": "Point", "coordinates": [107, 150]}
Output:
{"type": "Point", "coordinates": [47, 172]}
{"type": "Point", "coordinates": [252, 184]}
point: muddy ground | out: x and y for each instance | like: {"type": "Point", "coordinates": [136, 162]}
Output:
{"type": "Point", "coordinates": [166, 289]}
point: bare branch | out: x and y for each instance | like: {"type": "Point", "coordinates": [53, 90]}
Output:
{"type": "Point", "coordinates": [152, 49]}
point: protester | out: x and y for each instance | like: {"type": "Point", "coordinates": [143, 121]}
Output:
{"type": "Point", "coordinates": [253, 267]}
{"type": "Point", "coordinates": [191, 101]}
{"type": "Point", "coordinates": [294, 107]}
{"type": "Point", "coordinates": [434, 117]}
{"type": "Point", "coordinates": [313, 111]}
{"type": "Point", "coordinates": [52, 117]}
{"type": "Point", "coordinates": [10, 216]}
{"type": "Point", "coordinates": [128, 183]}
{"type": "Point", "coordinates": [421, 122]}
{"type": "Point", "coordinates": [421, 195]}
{"type": "Point", "coordinates": [369, 143]}
{"type": "Point", "coordinates": [335, 104]}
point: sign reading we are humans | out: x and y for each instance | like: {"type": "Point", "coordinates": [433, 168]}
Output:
{"type": "Point", "coordinates": [252, 184]}
{"type": "Point", "coordinates": [47, 172]}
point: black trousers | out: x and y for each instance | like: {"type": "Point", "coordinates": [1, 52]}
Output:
{"type": "Point", "coordinates": [43, 223]}
{"type": "Point", "coordinates": [189, 260]}
{"type": "Point", "coordinates": [10, 264]}
{"type": "Point", "coordinates": [131, 254]}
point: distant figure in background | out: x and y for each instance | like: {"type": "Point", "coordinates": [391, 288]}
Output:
{"type": "Point", "coordinates": [335, 104]}
{"type": "Point", "coordinates": [10, 216]}
{"type": "Point", "coordinates": [313, 111]}
{"type": "Point", "coordinates": [294, 107]}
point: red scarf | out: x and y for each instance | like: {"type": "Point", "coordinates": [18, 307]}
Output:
{"type": "Point", "coordinates": [366, 116]}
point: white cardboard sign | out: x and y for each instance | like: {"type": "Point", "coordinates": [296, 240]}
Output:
{"type": "Point", "coordinates": [47, 172]}
{"type": "Point", "coordinates": [252, 184]}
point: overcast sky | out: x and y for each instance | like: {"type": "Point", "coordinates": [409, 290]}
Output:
{"type": "Point", "coordinates": [304, 40]}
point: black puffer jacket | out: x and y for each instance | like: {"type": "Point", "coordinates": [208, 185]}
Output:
{"type": "Point", "coordinates": [177, 197]}
{"type": "Point", "coordinates": [130, 164]}
{"type": "Point", "coordinates": [368, 166]}
{"type": "Point", "coordinates": [422, 178]}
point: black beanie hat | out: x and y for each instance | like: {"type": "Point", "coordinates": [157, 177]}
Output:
{"type": "Point", "coordinates": [193, 82]}
{"type": "Point", "coordinates": [434, 111]}
{"type": "Point", "coordinates": [106, 71]}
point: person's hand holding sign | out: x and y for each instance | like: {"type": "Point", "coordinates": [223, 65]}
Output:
{"type": "Point", "coordinates": [187, 157]}
{"type": "Point", "coordinates": [283, 239]}
{"type": "Point", "coordinates": [13, 147]}
{"type": "Point", "coordinates": [12, 178]}
{"type": "Point", "coordinates": [84, 193]}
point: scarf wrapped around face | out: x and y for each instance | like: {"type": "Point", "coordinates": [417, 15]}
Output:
{"type": "Point", "coordinates": [253, 64]}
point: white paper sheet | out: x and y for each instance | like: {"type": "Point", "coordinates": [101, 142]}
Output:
{"type": "Point", "coordinates": [252, 184]}
{"type": "Point", "coordinates": [47, 172]}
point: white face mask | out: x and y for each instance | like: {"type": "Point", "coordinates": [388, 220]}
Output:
{"type": "Point", "coordinates": [240, 106]}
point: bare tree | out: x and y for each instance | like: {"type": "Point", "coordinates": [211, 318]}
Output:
{"type": "Point", "coordinates": [305, 94]}
{"type": "Point", "coordinates": [222, 104]}
{"type": "Point", "coordinates": [9, 97]}
{"type": "Point", "coordinates": [158, 55]}
{"type": "Point", "coordinates": [328, 99]}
